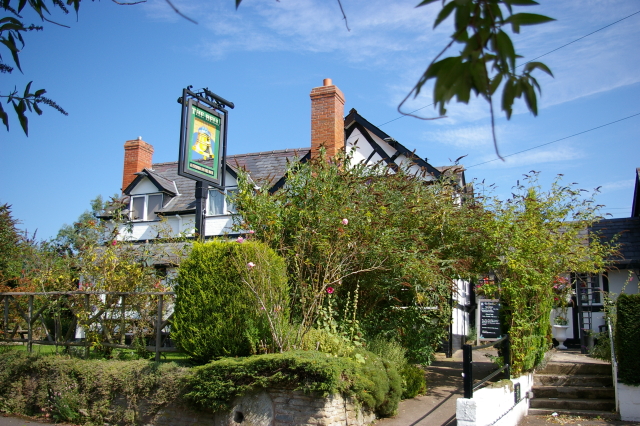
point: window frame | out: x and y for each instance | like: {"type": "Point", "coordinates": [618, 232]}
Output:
{"type": "Point", "coordinates": [226, 204]}
{"type": "Point", "coordinates": [146, 207]}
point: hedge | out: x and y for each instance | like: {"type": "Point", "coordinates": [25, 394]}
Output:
{"type": "Point", "coordinates": [216, 314]}
{"type": "Point", "coordinates": [62, 388]}
{"type": "Point", "coordinates": [627, 338]}
{"type": "Point", "coordinates": [376, 382]}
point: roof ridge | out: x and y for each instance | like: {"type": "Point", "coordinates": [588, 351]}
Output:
{"type": "Point", "coordinates": [248, 154]}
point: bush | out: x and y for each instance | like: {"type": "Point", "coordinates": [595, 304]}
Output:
{"type": "Point", "coordinates": [414, 381]}
{"type": "Point", "coordinates": [95, 392]}
{"type": "Point", "coordinates": [375, 382]}
{"type": "Point", "coordinates": [627, 338]}
{"type": "Point", "coordinates": [225, 307]}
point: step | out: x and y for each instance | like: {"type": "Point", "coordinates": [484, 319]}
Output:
{"type": "Point", "coordinates": [574, 404]}
{"type": "Point", "coordinates": [575, 380]}
{"type": "Point", "coordinates": [582, 413]}
{"type": "Point", "coordinates": [565, 368]}
{"type": "Point", "coordinates": [578, 392]}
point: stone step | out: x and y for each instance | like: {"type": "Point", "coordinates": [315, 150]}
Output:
{"type": "Point", "coordinates": [582, 413]}
{"type": "Point", "coordinates": [574, 404]}
{"type": "Point", "coordinates": [566, 368]}
{"type": "Point", "coordinates": [575, 380]}
{"type": "Point", "coordinates": [578, 392]}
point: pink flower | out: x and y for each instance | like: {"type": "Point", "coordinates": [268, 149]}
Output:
{"type": "Point", "coordinates": [345, 221]}
{"type": "Point", "coordinates": [330, 289]}
{"type": "Point", "coordinates": [250, 265]}
{"type": "Point", "coordinates": [240, 239]}
{"type": "Point", "coordinates": [251, 231]}
{"type": "Point", "coordinates": [114, 242]}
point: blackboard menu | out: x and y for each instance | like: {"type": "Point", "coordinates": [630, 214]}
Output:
{"type": "Point", "coordinates": [488, 322]}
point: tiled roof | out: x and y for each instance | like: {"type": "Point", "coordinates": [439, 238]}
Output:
{"type": "Point", "coordinates": [261, 166]}
{"type": "Point", "coordinates": [628, 230]}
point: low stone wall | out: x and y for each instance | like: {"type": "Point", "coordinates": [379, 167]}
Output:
{"type": "Point", "coordinates": [495, 405]}
{"type": "Point", "coordinates": [270, 408]}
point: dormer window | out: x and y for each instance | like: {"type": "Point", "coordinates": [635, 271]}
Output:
{"type": "Point", "coordinates": [143, 207]}
{"type": "Point", "coordinates": [218, 203]}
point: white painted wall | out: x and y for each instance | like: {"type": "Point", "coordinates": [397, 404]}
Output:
{"type": "Point", "coordinates": [495, 406]}
{"type": "Point", "coordinates": [629, 402]}
{"type": "Point", "coordinates": [620, 280]}
{"type": "Point", "coordinates": [145, 186]}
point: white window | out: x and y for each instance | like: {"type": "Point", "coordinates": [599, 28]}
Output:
{"type": "Point", "coordinates": [143, 207]}
{"type": "Point", "coordinates": [218, 203]}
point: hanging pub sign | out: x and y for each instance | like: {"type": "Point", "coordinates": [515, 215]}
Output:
{"type": "Point", "coordinates": [202, 144]}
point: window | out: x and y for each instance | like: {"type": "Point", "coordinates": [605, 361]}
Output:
{"type": "Point", "coordinates": [143, 207]}
{"type": "Point", "coordinates": [588, 288]}
{"type": "Point", "coordinates": [218, 203]}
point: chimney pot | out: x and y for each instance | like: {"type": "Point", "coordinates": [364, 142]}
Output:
{"type": "Point", "coordinates": [327, 82]}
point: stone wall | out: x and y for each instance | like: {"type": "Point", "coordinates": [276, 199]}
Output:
{"type": "Point", "coordinates": [271, 407]}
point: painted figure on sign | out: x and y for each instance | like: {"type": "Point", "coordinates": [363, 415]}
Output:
{"type": "Point", "coordinates": [202, 143]}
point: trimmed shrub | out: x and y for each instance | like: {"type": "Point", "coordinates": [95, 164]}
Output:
{"type": "Point", "coordinates": [375, 383]}
{"type": "Point", "coordinates": [226, 306]}
{"type": "Point", "coordinates": [413, 380]}
{"type": "Point", "coordinates": [66, 389]}
{"type": "Point", "coordinates": [627, 338]}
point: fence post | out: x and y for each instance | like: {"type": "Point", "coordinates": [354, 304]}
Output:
{"type": "Point", "coordinates": [467, 371]}
{"type": "Point", "coordinates": [6, 316]}
{"type": "Point", "coordinates": [507, 356]}
{"type": "Point", "coordinates": [87, 345]}
{"type": "Point", "coordinates": [30, 328]}
{"type": "Point", "coordinates": [158, 328]}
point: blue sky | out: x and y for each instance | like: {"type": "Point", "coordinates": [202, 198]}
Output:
{"type": "Point", "coordinates": [119, 70]}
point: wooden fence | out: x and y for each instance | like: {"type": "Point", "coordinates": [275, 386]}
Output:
{"type": "Point", "coordinates": [126, 320]}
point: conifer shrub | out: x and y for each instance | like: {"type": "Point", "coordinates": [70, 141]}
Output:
{"type": "Point", "coordinates": [374, 382]}
{"type": "Point", "coordinates": [231, 300]}
{"type": "Point", "coordinates": [627, 338]}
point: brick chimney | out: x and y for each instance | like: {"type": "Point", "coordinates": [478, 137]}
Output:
{"type": "Point", "coordinates": [137, 155]}
{"type": "Point", "coordinates": [327, 119]}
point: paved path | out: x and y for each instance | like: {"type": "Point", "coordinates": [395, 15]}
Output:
{"type": "Point", "coordinates": [23, 421]}
{"type": "Point", "coordinates": [444, 381]}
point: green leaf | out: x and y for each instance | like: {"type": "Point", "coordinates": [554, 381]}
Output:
{"type": "Point", "coordinates": [37, 109]}
{"type": "Point", "coordinates": [20, 111]}
{"type": "Point", "coordinates": [39, 93]}
{"type": "Point", "coordinates": [539, 65]}
{"type": "Point", "coordinates": [495, 83]}
{"type": "Point", "coordinates": [521, 2]}
{"type": "Point", "coordinates": [508, 95]}
{"type": "Point", "coordinates": [11, 44]}
{"type": "Point", "coordinates": [463, 16]}
{"type": "Point", "coordinates": [444, 13]}
{"type": "Point", "coordinates": [527, 19]}
{"type": "Point", "coordinates": [505, 49]}
{"type": "Point", "coordinates": [26, 90]}
{"type": "Point", "coordinates": [238, 3]}
{"type": "Point", "coordinates": [21, 5]}
{"type": "Point", "coordinates": [530, 97]}
{"type": "Point", "coordinates": [4, 117]}
{"type": "Point", "coordinates": [426, 2]}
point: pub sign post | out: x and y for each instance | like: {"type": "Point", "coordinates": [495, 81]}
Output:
{"type": "Point", "coordinates": [203, 145]}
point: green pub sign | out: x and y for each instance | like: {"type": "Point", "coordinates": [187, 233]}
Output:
{"type": "Point", "coordinates": [202, 147]}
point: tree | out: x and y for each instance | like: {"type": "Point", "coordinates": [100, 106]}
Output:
{"type": "Point", "coordinates": [531, 239]}
{"type": "Point", "coordinates": [10, 247]}
{"type": "Point", "coordinates": [384, 244]}
{"type": "Point", "coordinates": [12, 28]}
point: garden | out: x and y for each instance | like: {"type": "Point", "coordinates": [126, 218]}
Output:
{"type": "Point", "coordinates": [339, 283]}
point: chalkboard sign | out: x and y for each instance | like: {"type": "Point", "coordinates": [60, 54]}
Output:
{"type": "Point", "coordinates": [488, 321]}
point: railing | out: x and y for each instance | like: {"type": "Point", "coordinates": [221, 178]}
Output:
{"type": "Point", "coordinates": [467, 365]}
{"type": "Point", "coordinates": [614, 363]}
{"type": "Point", "coordinates": [37, 318]}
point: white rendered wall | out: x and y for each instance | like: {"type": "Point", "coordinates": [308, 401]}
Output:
{"type": "Point", "coordinates": [629, 402]}
{"type": "Point", "coordinates": [495, 406]}
{"type": "Point", "coordinates": [617, 280]}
